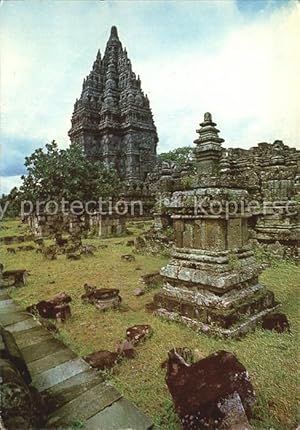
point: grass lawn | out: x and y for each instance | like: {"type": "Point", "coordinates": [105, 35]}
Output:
{"type": "Point", "coordinates": [270, 358]}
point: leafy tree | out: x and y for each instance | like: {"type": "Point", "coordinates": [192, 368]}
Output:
{"type": "Point", "coordinates": [54, 175]}
{"type": "Point", "coordinates": [9, 204]}
{"type": "Point", "coordinates": [179, 156]}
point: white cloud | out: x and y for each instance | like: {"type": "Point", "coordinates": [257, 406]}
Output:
{"type": "Point", "coordinates": [250, 84]}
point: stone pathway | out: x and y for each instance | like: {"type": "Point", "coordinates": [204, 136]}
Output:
{"type": "Point", "coordinates": [77, 393]}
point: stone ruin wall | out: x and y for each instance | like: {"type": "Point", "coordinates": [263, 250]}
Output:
{"type": "Point", "coordinates": [269, 172]}
{"type": "Point", "coordinates": [44, 225]}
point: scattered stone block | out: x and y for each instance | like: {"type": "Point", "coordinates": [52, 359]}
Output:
{"type": "Point", "coordinates": [88, 288]}
{"type": "Point", "coordinates": [26, 248]}
{"type": "Point", "coordinates": [139, 292]}
{"type": "Point", "coordinates": [11, 250]}
{"type": "Point", "coordinates": [56, 308]}
{"type": "Point", "coordinates": [128, 257]}
{"type": "Point", "coordinates": [235, 417]}
{"type": "Point", "coordinates": [90, 248]}
{"type": "Point", "coordinates": [186, 353]}
{"type": "Point", "coordinates": [62, 312]}
{"type": "Point", "coordinates": [49, 252]}
{"type": "Point", "coordinates": [140, 243]}
{"type": "Point", "coordinates": [138, 333]}
{"type": "Point", "coordinates": [152, 280]}
{"type": "Point", "coordinates": [61, 298]}
{"type": "Point", "coordinates": [45, 309]}
{"type": "Point", "coordinates": [73, 257]}
{"type": "Point", "coordinates": [211, 393]}
{"type": "Point", "coordinates": [102, 359]}
{"type": "Point", "coordinates": [276, 321]}
{"type": "Point", "coordinates": [104, 306]}
{"type": "Point", "coordinates": [102, 298]}
{"type": "Point", "coordinates": [126, 348]}
{"type": "Point", "coordinates": [16, 278]}
{"type": "Point", "coordinates": [8, 240]}
{"type": "Point", "coordinates": [150, 308]}
{"type": "Point", "coordinates": [87, 251]}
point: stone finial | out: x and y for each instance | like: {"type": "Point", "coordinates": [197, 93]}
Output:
{"type": "Point", "coordinates": [208, 150]}
{"type": "Point", "coordinates": [207, 117]}
{"type": "Point", "coordinates": [114, 33]}
{"type": "Point", "coordinates": [208, 133]}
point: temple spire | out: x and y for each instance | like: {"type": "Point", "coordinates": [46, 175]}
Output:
{"type": "Point", "coordinates": [114, 33]}
{"type": "Point", "coordinates": [113, 112]}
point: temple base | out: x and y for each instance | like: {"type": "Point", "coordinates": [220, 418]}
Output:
{"type": "Point", "coordinates": [236, 331]}
{"type": "Point", "coordinates": [228, 315]}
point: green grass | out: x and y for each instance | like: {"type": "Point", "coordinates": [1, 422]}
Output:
{"type": "Point", "coordinates": [13, 227]}
{"type": "Point", "coordinates": [270, 358]}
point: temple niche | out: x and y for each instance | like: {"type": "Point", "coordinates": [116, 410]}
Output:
{"type": "Point", "coordinates": [112, 119]}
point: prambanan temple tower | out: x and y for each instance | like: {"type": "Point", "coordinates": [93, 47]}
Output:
{"type": "Point", "coordinates": [112, 120]}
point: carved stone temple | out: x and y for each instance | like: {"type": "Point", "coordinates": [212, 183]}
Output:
{"type": "Point", "coordinates": [112, 119]}
{"type": "Point", "coordinates": [211, 281]}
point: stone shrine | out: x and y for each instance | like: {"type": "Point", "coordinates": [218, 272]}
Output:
{"type": "Point", "coordinates": [270, 173]}
{"type": "Point", "coordinates": [211, 282]}
{"type": "Point", "coordinates": [112, 119]}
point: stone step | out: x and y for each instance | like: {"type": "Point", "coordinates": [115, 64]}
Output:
{"type": "Point", "coordinates": [84, 406]}
{"type": "Point", "coordinates": [64, 392]}
{"type": "Point", "coordinates": [74, 391]}
{"type": "Point", "coordinates": [9, 318]}
{"type": "Point", "coordinates": [22, 325]}
{"type": "Point", "coordinates": [4, 294]}
{"type": "Point", "coordinates": [121, 415]}
{"type": "Point", "coordinates": [32, 336]}
{"type": "Point", "coordinates": [59, 373]}
{"type": "Point", "coordinates": [7, 308]}
{"type": "Point", "coordinates": [5, 302]}
{"type": "Point", "coordinates": [49, 361]}
{"type": "Point", "coordinates": [42, 349]}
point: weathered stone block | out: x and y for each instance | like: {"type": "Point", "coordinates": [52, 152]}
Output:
{"type": "Point", "coordinates": [234, 233]}
{"type": "Point", "coordinates": [215, 392]}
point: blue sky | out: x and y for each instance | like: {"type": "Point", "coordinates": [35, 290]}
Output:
{"type": "Point", "coordinates": [238, 59]}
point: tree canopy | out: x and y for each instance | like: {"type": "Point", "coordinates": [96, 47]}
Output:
{"type": "Point", "coordinates": [179, 156]}
{"type": "Point", "coordinates": [55, 174]}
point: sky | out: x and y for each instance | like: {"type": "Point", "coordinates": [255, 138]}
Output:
{"type": "Point", "coordinates": [238, 59]}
